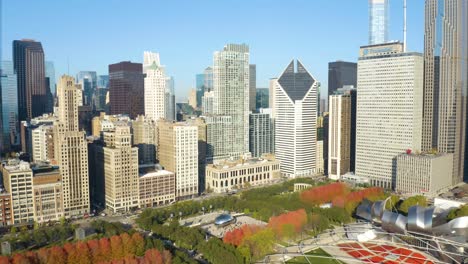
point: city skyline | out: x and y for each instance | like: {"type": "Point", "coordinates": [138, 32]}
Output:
{"type": "Point", "coordinates": [109, 47]}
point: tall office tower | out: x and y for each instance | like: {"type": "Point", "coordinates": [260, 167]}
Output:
{"type": "Point", "coordinates": [378, 21]}
{"type": "Point", "coordinates": [231, 93]}
{"type": "Point", "coordinates": [170, 99]}
{"type": "Point", "coordinates": [50, 73]}
{"type": "Point", "coordinates": [202, 138]}
{"type": "Point", "coordinates": [71, 98]}
{"type": "Point", "coordinates": [262, 98]}
{"type": "Point", "coordinates": [28, 61]}
{"type": "Point", "coordinates": [339, 135]}
{"type": "Point", "coordinates": [17, 180]}
{"type": "Point", "coordinates": [103, 81]}
{"type": "Point", "coordinates": [272, 96]}
{"type": "Point", "coordinates": [295, 122]}
{"type": "Point", "coordinates": [99, 99]}
{"type": "Point", "coordinates": [145, 138]}
{"type": "Point", "coordinates": [389, 110]}
{"type": "Point", "coordinates": [88, 81]}
{"type": "Point", "coordinates": [42, 143]}
{"type": "Point", "coordinates": [208, 79]}
{"type": "Point", "coordinates": [340, 74]}
{"type": "Point", "coordinates": [325, 128]}
{"type": "Point", "coordinates": [261, 134]}
{"type": "Point", "coordinates": [155, 86]}
{"type": "Point", "coordinates": [252, 87]}
{"type": "Point", "coordinates": [120, 170]}
{"type": "Point", "coordinates": [192, 99]}
{"type": "Point", "coordinates": [204, 83]}
{"type": "Point", "coordinates": [207, 102]}
{"type": "Point", "coordinates": [50, 85]}
{"type": "Point", "coordinates": [9, 94]}
{"type": "Point", "coordinates": [126, 89]}
{"type": "Point", "coordinates": [200, 86]}
{"type": "Point", "coordinates": [178, 152]}
{"type": "Point", "coordinates": [71, 149]}
{"type": "Point", "coordinates": [445, 80]}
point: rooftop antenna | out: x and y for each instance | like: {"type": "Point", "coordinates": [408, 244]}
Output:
{"type": "Point", "coordinates": [404, 25]}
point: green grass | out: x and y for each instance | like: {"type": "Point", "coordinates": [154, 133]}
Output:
{"type": "Point", "coordinates": [315, 260]}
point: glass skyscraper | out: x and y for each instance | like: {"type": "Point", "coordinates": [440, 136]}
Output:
{"type": "Point", "coordinates": [378, 21]}
{"type": "Point", "coordinates": [88, 80]}
{"type": "Point", "coordinates": [9, 106]}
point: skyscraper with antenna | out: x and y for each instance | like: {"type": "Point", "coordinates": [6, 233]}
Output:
{"type": "Point", "coordinates": [378, 21]}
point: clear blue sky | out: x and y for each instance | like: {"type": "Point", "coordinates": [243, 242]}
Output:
{"type": "Point", "coordinates": [91, 34]}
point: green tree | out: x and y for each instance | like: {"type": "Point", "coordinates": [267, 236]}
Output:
{"type": "Point", "coordinates": [458, 212]}
{"type": "Point", "coordinates": [412, 201]}
{"type": "Point", "coordinates": [392, 202]}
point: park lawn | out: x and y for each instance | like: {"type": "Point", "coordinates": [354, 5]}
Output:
{"type": "Point", "coordinates": [315, 260]}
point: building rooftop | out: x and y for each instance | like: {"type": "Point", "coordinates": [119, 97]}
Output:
{"type": "Point", "coordinates": [231, 163]}
{"type": "Point", "coordinates": [14, 165]}
{"type": "Point", "coordinates": [430, 154]}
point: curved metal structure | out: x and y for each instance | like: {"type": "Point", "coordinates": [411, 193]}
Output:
{"type": "Point", "coordinates": [420, 219]}
{"type": "Point", "coordinates": [224, 219]}
{"type": "Point", "coordinates": [393, 222]}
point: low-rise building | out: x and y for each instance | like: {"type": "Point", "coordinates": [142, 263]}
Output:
{"type": "Point", "coordinates": [157, 186]}
{"type": "Point", "coordinates": [425, 173]}
{"type": "Point", "coordinates": [48, 194]}
{"type": "Point", "coordinates": [231, 174]}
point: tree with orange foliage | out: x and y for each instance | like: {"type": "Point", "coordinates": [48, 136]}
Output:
{"type": "Point", "coordinates": [139, 244]}
{"type": "Point", "coordinates": [116, 247]}
{"type": "Point", "coordinates": [83, 253]}
{"type": "Point", "coordinates": [153, 256]}
{"type": "Point", "coordinates": [94, 250]}
{"type": "Point", "coordinates": [298, 219]}
{"type": "Point", "coordinates": [57, 256]}
{"type": "Point", "coordinates": [105, 250]}
{"type": "Point", "coordinates": [4, 260]}
{"type": "Point", "coordinates": [323, 194]}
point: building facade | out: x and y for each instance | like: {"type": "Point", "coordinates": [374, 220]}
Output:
{"type": "Point", "coordinates": [126, 89]}
{"type": "Point", "coordinates": [178, 152]}
{"type": "Point", "coordinates": [6, 217]}
{"type": "Point", "coordinates": [170, 99]}
{"type": "Point", "coordinates": [88, 81]}
{"type": "Point", "coordinates": [18, 182]}
{"type": "Point", "coordinates": [261, 133]}
{"type": "Point", "coordinates": [231, 88]}
{"type": "Point", "coordinates": [295, 121]}
{"type": "Point", "coordinates": [252, 87]}
{"type": "Point", "coordinates": [378, 21]}
{"type": "Point", "coordinates": [120, 170]}
{"type": "Point", "coordinates": [389, 110]}
{"type": "Point", "coordinates": [157, 187]}
{"type": "Point", "coordinates": [424, 173]}
{"type": "Point", "coordinates": [339, 135]}
{"type": "Point", "coordinates": [262, 98]}
{"type": "Point", "coordinates": [71, 150]}
{"type": "Point", "coordinates": [237, 174]}
{"type": "Point", "coordinates": [48, 193]}
{"type": "Point", "coordinates": [9, 111]}
{"type": "Point", "coordinates": [145, 138]}
{"type": "Point", "coordinates": [445, 80]}
{"type": "Point", "coordinates": [42, 143]}
{"type": "Point", "coordinates": [340, 74]}
{"type": "Point", "coordinates": [207, 103]}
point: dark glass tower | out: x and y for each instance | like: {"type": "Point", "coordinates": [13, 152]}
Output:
{"type": "Point", "coordinates": [126, 89]}
{"type": "Point", "coordinates": [340, 74]}
{"type": "Point", "coordinates": [28, 63]}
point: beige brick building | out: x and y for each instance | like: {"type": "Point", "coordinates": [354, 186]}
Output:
{"type": "Point", "coordinates": [48, 193]}
{"type": "Point", "coordinates": [237, 174]}
{"type": "Point", "coordinates": [157, 187]}
{"type": "Point", "coordinates": [120, 170]}
{"type": "Point", "coordinates": [178, 152]}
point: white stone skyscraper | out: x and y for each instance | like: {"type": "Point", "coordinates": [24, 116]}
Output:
{"type": "Point", "coordinates": [71, 149]}
{"type": "Point", "coordinates": [389, 110]}
{"type": "Point", "coordinates": [295, 123]}
{"type": "Point", "coordinates": [155, 86]}
{"type": "Point", "coordinates": [231, 94]}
